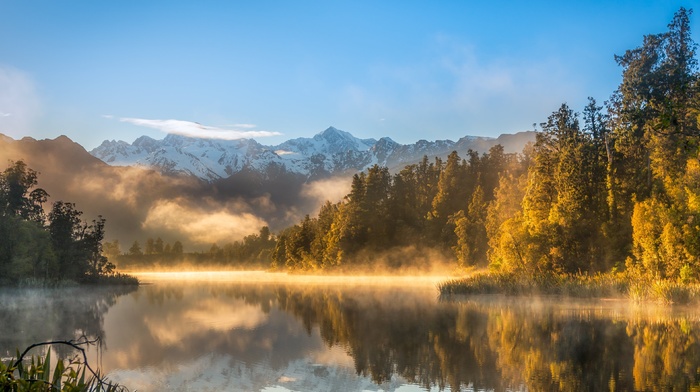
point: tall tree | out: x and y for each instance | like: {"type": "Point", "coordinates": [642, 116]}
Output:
{"type": "Point", "coordinates": [135, 249]}
{"type": "Point", "coordinates": [16, 194]}
{"type": "Point", "coordinates": [65, 228]}
{"type": "Point", "coordinates": [452, 196]}
{"type": "Point", "coordinates": [656, 134]}
{"type": "Point", "coordinates": [158, 246]}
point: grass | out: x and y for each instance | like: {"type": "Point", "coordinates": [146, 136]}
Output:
{"type": "Point", "coordinates": [575, 285]}
{"type": "Point", "coordinates": [35, 374]}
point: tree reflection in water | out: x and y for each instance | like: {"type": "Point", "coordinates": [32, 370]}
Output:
{"type": "Point", "coordinates": [493, 343]}
{"type": "Point", "coordinates": [500, 343]}
{"type": "Point", "coordinates": [30, 316]}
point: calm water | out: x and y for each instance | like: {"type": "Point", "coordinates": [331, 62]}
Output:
{"type": "Point", "coordinates": [261, 332]}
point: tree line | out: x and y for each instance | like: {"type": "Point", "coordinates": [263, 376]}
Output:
{"type": "Point", "coordinates": [253, 251]}
{"type": "Point", "coordinates": [42, 246]}
{"type": "Point", "coordinates": [616, 187]}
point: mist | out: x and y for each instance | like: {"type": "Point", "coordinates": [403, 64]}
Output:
{"type": "Point", "coordinates": [139, 203]}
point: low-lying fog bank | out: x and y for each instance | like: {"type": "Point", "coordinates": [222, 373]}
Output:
{"type": "Point", "coordinates": [286, 278]}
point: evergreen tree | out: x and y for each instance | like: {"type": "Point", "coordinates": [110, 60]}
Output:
{"type": "Point", "coordinates": [158, 246]}
{"type": "Point", "coordinates": [65, 228]}
{"type": "Point", "coordinates": [470, 229]}
{"type": "Point", "coordinates": [177, 248]}
{"type": "Point", "coordinates": [376, 206]}
{"type": "Point", "coordinates": [655, 128]}
{"type": "Point", "coordinates": [150, 247]}
{"type": "Point", "coordinates": [452, 196]}
{"type": "Point", "coordinates": [135, 249]}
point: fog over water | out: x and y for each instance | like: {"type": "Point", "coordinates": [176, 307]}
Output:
{"type": "Point", "coordinates": [254, 331]}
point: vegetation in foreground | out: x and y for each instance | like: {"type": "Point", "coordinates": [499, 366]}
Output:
{"type": "Point", "coordinates": [37, 248]}
{"type": "Point", "coordinates": [610, 285]}
{"type": "Point", "coordinates": [36, 374]}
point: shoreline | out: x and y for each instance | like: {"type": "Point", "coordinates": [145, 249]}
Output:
{"type": "Point", "coordinates": [612, 286]}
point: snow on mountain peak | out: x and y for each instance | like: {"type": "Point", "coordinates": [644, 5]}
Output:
{"type": "Point", "coordinates": [327, 153]}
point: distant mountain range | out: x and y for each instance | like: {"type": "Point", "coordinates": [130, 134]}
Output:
{"type": "Point", "coordinates": [184, 189]}
{"type": "Point", "coordinates": [331, 152]}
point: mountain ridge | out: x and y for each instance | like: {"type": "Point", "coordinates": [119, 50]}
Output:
{"type": "Point", "coordinates": [142, 201]}
{"type": "Point", "coordinates": [328, 153]}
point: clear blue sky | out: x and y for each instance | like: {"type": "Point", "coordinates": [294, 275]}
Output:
{"type": "Point", "coordinates": [410, 70]}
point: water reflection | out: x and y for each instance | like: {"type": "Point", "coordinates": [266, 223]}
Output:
{"type": "Point", "coordinates": [389, 332]}
{"type": "Point", "coordinates": [30, 316]}
{"type": "Point", "coordinates": [237, 335]}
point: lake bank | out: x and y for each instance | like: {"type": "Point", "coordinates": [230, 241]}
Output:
{"type": "Point", "coordinates": [608, 285]}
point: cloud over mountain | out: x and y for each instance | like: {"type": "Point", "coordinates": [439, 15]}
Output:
{"type": "Point", "coordinates": [202, 191]}
{"type": "Point", "coordinates": [197, 130]}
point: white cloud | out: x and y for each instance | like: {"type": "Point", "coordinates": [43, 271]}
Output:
{"type": "Point", "coordinates": [247, 126]}
{"type": "Point", "coordinates": [193, 129]}
{"type": "Point", "coordinates": [331, 189]}
{"type": "Point", "coordinates": [201, 225]}
{"type": "Point", "coordinates": [19, 103]}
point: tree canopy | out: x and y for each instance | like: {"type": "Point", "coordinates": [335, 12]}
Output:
{"type": "Point", "coordinates": [40, 246]}
{"type": "Point", "coordinates": [614, 188]}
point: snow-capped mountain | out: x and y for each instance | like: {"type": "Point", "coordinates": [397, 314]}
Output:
{"type": "Point", "coordinates": [328, 153]}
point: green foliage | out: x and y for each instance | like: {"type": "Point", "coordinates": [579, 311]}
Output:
{"type": "Point", "coordinates": [427, 205]}
{"type": "Point", "coordinates": [615, 188]}
{"type": "Point", "coordinates": [31, 250]}
{"type": "Point", "coordinates": [38, 375]}
{"type": "Point", "coordinates": [16, 196]}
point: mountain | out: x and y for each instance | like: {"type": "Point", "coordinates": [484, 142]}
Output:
{"type": "Point", "coordinates": [123, 195]}
{"type": "Point", "coordinates": [141, 202]}
{"type": "Point", "coordinates": [146, 188]}
{"type": "Point", "coordinates": [329, 153]}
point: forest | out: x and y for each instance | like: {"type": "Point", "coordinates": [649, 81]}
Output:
{"type": "Point", "coordinates": [613, 188]}
{"type": "Point", "coordinates": [38, 247]}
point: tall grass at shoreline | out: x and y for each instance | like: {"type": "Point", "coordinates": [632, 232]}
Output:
{"type": "Point", "coordinates": [36, 373]}
{"type": "Point", "coordinates": [608, 285]}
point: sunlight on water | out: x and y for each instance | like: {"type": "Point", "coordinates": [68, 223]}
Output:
{"type": "Point", "coordinates": [280, 277]}
{"type": "Point", "coordinates": [253, 331]}
{"type": "Point", "coordinates": [239, 331]}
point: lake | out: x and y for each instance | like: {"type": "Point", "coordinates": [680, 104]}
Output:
{"type": "Point", "coordinates": [252, 331]}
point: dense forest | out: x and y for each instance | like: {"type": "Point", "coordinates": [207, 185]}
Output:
{"type": "Point", "coordinates": [616, 187]}
{"type": "Point", "coordinates": [40, 247]}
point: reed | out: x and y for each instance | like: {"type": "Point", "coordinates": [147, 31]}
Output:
{"type": "Point", "coordinates": [570, 285]}
{"type": "Point", "coordinates": [35, 373]}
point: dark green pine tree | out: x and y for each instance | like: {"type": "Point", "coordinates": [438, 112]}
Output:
{"type": "Point", "coordinates": [65, 228]}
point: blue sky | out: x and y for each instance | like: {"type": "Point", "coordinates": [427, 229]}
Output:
{"type": "Point", "coordinates": [274, 70]}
